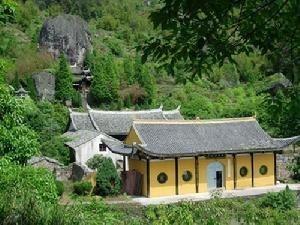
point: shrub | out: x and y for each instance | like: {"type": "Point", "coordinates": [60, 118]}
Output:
{"type": "Point", "coordinates": [283, 200]}
{"type": "Point", "coordinates": [95, 162]}
{"type": "Point", "coordinates": [59, 187]}
{"type": "Point", "coordinates": [108, 22]}
{"type": "Point", "coordinates": [295, 168]}
{"type": "Point", "coordinates": [108, 181]}
{"type": "Point", "coordinates": [76, 99]}
{"type": "Point", "coordinates": [107, 178]}
{"type": "Point", "coordinates": [26, 209]}
{"type": "Point", "coordinates": [82, 187]}
{"type": "Point", "coordinates": [39, 181]}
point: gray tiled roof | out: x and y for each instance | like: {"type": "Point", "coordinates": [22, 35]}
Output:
{"type": "Point", "coordinates": [80, 121]}
{"type": "Point", "coordinates": [189, 138]}
{"type": "Point", "coordinates": [118, 147]}
{"type": "Point", "coordinates": [117, 122]}
{"type": "Point", "coordinates": [173, 114]}
{"type": "Point", "coordinates": [36, 159]}
{"type": "Point", "coordinates": [77, 138]}
{"type": "Point", "coordinates": [283, 142]}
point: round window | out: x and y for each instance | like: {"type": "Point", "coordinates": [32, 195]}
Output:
{"type": "Point", "coordinates": [162, 178]}
{"type": "Point", "coordinates": [263, 170]}
{"type": "Point", "coordinates": [243, 171]}
{"type": "Point", "coordinates": [187, 175]}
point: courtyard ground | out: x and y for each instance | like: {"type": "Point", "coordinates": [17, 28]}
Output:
{"type": "Point", "coordinates": [249, 192]}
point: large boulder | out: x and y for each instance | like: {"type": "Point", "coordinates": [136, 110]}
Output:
{"type": "Point", "coordinates": [68, 34]}
{"type": "Point", "coordinates": [44, 85]}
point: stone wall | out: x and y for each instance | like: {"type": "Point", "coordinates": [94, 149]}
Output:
{"type": "Point", "coordinates": [60, 171]}
{"type": "Point", "coordinates": [283, 161]}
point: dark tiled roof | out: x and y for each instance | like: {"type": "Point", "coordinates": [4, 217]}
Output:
{"type": "Point", "coordinates": [36, 159]}
{"type": "Point", "coordinates": [79, 137]}
{"type": "Point", "coordinates": [80, 121]}
{"type": "Point", "coordinates": [118, 147]}
{"type": "Point", "coordinates": [284, 142]}
{"type": "Point", "coordinates": [117, 122]}
{"type": "Point", "coordinates": [188, 138]}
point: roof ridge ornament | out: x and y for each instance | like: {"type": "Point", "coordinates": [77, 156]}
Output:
{"type": "Point", "coordinates": [161, 106]}
{"type": "Point", "coordinates": [178, 107]}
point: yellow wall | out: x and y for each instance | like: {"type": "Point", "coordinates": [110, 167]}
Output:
{"type": "Point", "coordinates": [168, 166]}
{"type": "Point", "coordinates": [228, 172]}
{"type": "Point", "coordinates": [168, 188]}
{"type": "Point", "coordinates": [243, 161]}
{"type": "Point", "coordinates": [186, 187]}
{"type": "Point", "coordinates": [267, 160]}
{"type": "Point", "coordinates": [132, 137]}
{"type": "Point", "coordinates": [140, 166]}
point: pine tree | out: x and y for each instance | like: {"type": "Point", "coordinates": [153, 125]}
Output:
{"type": "Point", "coordinates": [105, 84]}
{"type": "Point", "coordinates": [63, 81]}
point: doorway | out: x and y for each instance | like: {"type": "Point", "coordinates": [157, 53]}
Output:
{"type": "Point", "coordinates": [215, 175]}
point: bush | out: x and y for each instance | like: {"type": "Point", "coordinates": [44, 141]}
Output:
{"type": "Point", "coordinates": [295, 168]}
{"type": "Point", "coordinates": [59, 187]}
{"type": "Point", "coordinates": [82, 187]}
{"type": "Point", "coordinates": [39, 181]}
{"type": "Point", "coordinates": [76, 99]}
{"type": "Point", "coordinates": [26, 209]}
{"type": "Point", "coordinates": [107, 179]}
{"type": "Point", "coordinates": [95, 162]}
{"type": "Point", "coordinates": [283, 200]}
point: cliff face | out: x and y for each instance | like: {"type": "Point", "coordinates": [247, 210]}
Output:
{"type": "Point", "coordinates": [68, 34]}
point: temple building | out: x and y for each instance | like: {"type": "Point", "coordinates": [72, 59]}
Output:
{"type": "Point", "coordinates": [175, 157]}
{"type": "Point", "coordinates": [117, 124]}
{"type": "Point", "coordinates": [88, 130]}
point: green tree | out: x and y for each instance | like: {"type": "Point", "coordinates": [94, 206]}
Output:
{"type": "Point", "coordinates": [146, 81]}
{"type": "Point", "coordinates": [129, 74]}
{"type": "Point", "coordinates": [280, 114]}
{"type": "Point", "coordinates": [7, 11]}
{"type": "Point", "coordinates": [49, 121]}
{"type": "Point", "coordinates": [63, 80]}
{"type": "Point", "coordinates": [108, 181]}
{"type": "Point", "coordinates": [105, 84]}
{"type": "Point", "coordinates": [17, 141]}
{"type": "Point", "coordinates": [19, 179]}
{"type": "Point", "coordinates": [206, 33]}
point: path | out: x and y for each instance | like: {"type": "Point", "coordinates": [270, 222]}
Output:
{"type": "Point", "coordinates": [205, 196]}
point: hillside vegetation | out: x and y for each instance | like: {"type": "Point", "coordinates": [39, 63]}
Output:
{"type": "Point", "coordinates": [247, 83]}
{"type": "Point", "coordinates": [118, 28]}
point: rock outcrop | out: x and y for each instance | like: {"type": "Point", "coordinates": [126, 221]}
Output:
{"type": "Point", "coordinates": [44, 85]}
{"type": "Point", "coordinates": [68, 34]}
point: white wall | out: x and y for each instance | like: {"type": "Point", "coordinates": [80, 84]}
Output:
{"type": "Point", "coordinates": [86, 151]}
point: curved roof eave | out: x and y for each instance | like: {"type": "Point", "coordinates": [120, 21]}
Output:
{"type": "Point", "coordinates": [200, 153]}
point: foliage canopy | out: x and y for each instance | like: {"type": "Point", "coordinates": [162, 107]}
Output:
{"type": "Point", "coordinates": [204, 33]}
